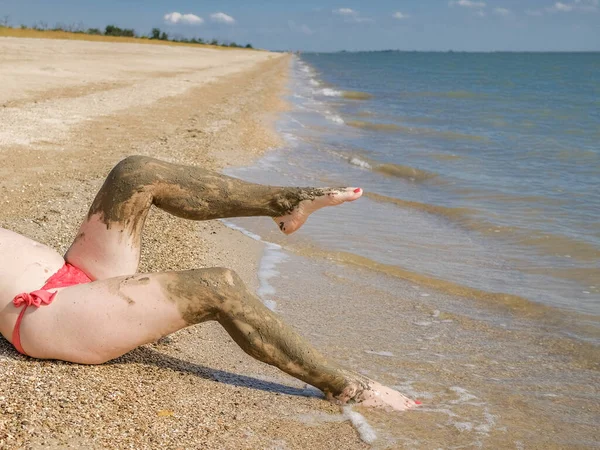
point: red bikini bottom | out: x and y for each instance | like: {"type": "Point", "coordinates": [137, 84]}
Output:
{"type": "Point", "coordinates": [67, 275]}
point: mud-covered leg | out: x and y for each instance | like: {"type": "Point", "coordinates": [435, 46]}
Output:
{"type": "Point", "coordinates": [264, 336]}
{"type": "Point", "coordinates": [108, 242]}
{"type": "Point", "coordinates": [95, 322]}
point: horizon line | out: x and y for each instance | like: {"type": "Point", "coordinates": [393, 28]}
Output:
{"type": "Point", "coordinates": [434, 51]}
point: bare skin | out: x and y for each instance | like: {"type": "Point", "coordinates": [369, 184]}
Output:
{"type": "Point", "coordinates": [99, 321]}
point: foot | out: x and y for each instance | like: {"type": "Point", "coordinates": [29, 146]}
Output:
{"type": "Point", "coordinates": [375, 395]}
{"type": "Point", "coordinates": [327, 197]}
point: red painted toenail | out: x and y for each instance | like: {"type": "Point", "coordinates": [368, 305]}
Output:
{"type": "Point", "coordinates": [417, 402]}
{"type": "Point", "coordinates": [357, 190]}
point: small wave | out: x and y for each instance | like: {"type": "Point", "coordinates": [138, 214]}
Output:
{"type": "Point", "coordinates": [542, 242]}
{"type": "Point", "coordinates": [444, 156]}
{"type": "Point", "coordinates": [334, 118]}
{"type": "Point", "coordinates": [553, 244]}
{"type": "Point", "coordinates": [515, 303]}
{"type": "Point", "coordinates": [374, 126]}
{"type": "Point", "coordinates": [272, 256]}
{"type": "Point", "coordinates": [358, 421]}
{"type": "Point", "coordinates": [350, 95]}
{"type": "Point", "coordinates": [460, 94]}
{"type": "Point", "coordinates": [365, 113]}
{"type": "Point", "coordinates": [394, 170]}
{"type": "Point", "coordinates": [306, 69]}
{"type": "Point", "coordinates": [585, 276]}
{"type": "Point", "coordinates": [584, 352]}
{"type": "Point", "coordinates": [526, 200]}
{"type": "Point", "coordinates": [456, 214]}
{"type": "Point", "coordinates": [447, 94]}
{"type": "Point", "coordinates": [453, 135]}
{"type": "Point", "coordinates": [578, 155]}
{"type": "Point", "coordinates": [397, 170]}
{"type": "Point", "coordinates": [233, 226]}
{"type": "Point", "coordinates": [328, 92]}
{"type": "Point", "coordinates": [360, 163]}
{"type": "Point", "coordinates": [356, 95]}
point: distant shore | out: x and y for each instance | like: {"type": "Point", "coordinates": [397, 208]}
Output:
{"type": "Point", "coordinates": [60, 33]}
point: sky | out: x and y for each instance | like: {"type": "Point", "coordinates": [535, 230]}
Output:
{"type": "Point", "coordinates": [325, 25]}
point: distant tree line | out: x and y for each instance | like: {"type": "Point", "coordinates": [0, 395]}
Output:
{"type": "Point", "coordinates": [113, 30]}
{"type": "Point", "coordinates": [163, 36]}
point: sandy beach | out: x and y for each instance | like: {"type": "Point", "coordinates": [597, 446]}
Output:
{"type": "Point", "coordinates": [68, 112]}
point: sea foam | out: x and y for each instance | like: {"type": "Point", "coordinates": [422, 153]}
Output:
{"type": "Point", "coordinates": [272, 256]}
{"type": "Point", "coordinates": [334, 118]}
{"type": "Point", "coordinates": [358, 421]}
{"type": "Point", "coordinates": [360, 163]}
{"type": "Point", "coordinates": [328, 92]}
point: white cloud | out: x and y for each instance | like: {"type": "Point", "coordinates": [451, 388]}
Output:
{"type": "Point", "coordinates": [186, 19]}
{"type": "Point", "coordinates": [300, 28]}
{"type": "Point", "coordinates": [576, 5]}
{"type": "Point", "coordinates": [399, 15]}
{"type": "Point", "coordinates": [480, 13]}
{"type": "Point", "coordinates": [561, 7]}
{"type": "Point", "coordinates": [345, 12]}
{"type": "Point", "coordinates": [502, 12]}
{"type": "Point", "coordinates": [351, 15]}
{"type": "Point", "coordinates": [222, 18]}
{"type": "Point", "coordinates": [467, 3]}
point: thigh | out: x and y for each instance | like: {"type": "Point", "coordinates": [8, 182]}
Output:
{"type": "Point", "coordinates": [104, 251]}
{"type": "Point", "coordinates": [108, 242]}
{"type": "Point", "coordinates": [95, 322]}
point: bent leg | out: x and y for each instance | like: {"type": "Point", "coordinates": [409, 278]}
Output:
{"type": "Point", "coordinates": [108, 241]}
{"type": "Point", "coordinates": [96, 322]}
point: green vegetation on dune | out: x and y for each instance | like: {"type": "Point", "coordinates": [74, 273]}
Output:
{"type": "Point", "coordinates": [111, 33]}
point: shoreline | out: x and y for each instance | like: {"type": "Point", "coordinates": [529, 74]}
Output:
{"type": "Point", "coordinates": [196, 387]}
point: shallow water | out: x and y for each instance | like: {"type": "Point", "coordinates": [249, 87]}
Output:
{"type": "Point", "coordinates": [468, 275]}
{"type": "Point", "coordinates": [486, 377]}
{"type": "Point", "coordinates": [485, 203]}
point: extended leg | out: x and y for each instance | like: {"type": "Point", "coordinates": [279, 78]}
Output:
{"type": "Point", "coordinates": [261, 334]}
{"type": "Point", "coordinates": [96, 322]}
{"type": "Point", "coordinates": [108, 242]}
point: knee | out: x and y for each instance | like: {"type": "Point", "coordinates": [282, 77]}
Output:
{"type": "Point", "coordinates": [130, 165]}
{"type": "Point", "coordinates": [205, 294]}
{"type": "Point", "coordinates": [227, 289]}
{"type": "Point", "coordinates": [219, 279]}
{"type": "Point", "coordinates": [227, 278]}
{"type": "Point", "coordinates": [129, 177]}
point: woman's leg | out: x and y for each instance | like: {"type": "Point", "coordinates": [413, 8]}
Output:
{"type": "Point", "coordinates": [108, 242]}
{"type": "Point", "coordinates": [99, 321]}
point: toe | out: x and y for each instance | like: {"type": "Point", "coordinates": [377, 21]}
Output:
{"type": "Point", "coordinates": [352, 194]}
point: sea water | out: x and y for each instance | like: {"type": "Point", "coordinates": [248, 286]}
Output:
{"type": "Point", "coordinates": [468, 275]}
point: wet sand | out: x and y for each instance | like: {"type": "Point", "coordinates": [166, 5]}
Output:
{"type": "Point", "coordinates": [68, 112]}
